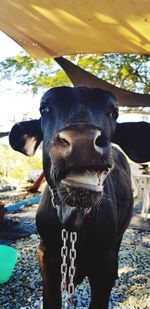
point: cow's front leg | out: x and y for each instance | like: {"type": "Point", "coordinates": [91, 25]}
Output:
{"type": "Point", "coordinates": [100, 293]}
{"type": "Point", "coordinates": [50, 270]}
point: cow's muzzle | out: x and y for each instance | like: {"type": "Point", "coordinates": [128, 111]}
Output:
{"type": "Point", "coordinates": [86, 157]}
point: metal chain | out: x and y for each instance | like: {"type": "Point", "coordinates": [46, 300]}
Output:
{"type": "Point", "coordinates": [64, 254]}
{"type": "Point", "coordinates": [72, 257]}
{"type": "Point", "coordinates": [52, 197]}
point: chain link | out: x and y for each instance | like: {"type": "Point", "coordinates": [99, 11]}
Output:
{"type": "Point", "coordinates": [52, 197]}
{"type": "Point", "coordinates": [72, 257]}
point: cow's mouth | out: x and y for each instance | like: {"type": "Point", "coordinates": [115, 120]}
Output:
{"type": "Point", "coordinates": [88, 180]}
{"type": "Point", "coordinates": [81, 186]}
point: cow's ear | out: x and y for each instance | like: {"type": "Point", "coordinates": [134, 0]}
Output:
{"type": "Point", "coordinates": [134, 139]}
{"type": "Point", "coordinates": [25, 136]}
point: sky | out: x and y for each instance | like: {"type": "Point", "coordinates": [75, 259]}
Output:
{"type": "Point", "coordinates": [13, 104]}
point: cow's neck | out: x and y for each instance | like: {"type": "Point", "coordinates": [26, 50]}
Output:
{"type": "Point", "coordinates": [71, 218]}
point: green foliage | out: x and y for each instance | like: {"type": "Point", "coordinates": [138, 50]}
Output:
{"type": "Point", "coordinates": [126, 71]}
{"type": "Point", "coordinates": [123, 70]}
{"type": "Point", "coordinates": [59, 79]}
{"type": "Point", "coordinates": [33, 74]}
{"type": "Point", "coordinates": [16, 165]}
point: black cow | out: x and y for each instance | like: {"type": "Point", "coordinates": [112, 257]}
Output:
{"type": "Point", "coordinates": [88, 184]}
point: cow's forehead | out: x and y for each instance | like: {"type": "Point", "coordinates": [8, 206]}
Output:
{"type": "Point", "coordinates": [78, 95]}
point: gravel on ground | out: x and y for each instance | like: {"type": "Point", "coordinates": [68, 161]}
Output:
{"type": "Point", "coordinates": [24, 288]}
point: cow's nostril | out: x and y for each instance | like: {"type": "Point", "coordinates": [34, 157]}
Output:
{"type": "Point", "coordinates": [100, 141]}
{"type": "Point", "coordinates": [62, 140]}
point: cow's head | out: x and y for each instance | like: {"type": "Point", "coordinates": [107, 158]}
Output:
{"type": "Point", "coordinates": [77, 126]}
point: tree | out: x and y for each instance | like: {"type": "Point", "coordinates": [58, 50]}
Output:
{"type": "Point", "coordinates": [130, 72]}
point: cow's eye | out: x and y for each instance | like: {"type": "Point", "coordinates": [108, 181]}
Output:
{"type": "Point", "coordinates": [44, 109]}
{"type": "Point", "coordinates": [114, 114]}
